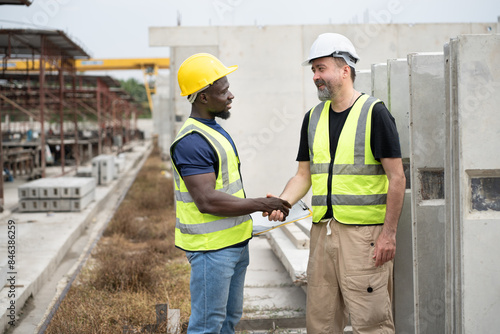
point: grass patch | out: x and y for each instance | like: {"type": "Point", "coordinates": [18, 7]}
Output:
{"type": "Point", "coordinates": [134, 266]}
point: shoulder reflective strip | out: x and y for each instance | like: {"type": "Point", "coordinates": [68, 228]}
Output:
{"type": "Point", "coordinates": [219, 147]}
{"type": "Point", "coordinates": [232, 189]}
{"type": "Point", "coordinates": [359, 146]}
{"type": "Point", "coordinates": [213, 226]}
{"type": "Point", "coordinates": [358, 170]}
{"type": "Point", "coordinates": [377, 199]}
{"type": "Point", "coordinates": [319, 168]}
{"type": "Point", "coordinates": [313, 123]}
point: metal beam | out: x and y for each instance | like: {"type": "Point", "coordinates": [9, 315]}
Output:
{"type": "Point", "coordinates": [17, 106]}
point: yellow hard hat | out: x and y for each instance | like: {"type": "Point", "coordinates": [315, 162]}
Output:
{"type": "Point", "coordinates": [199, 71]}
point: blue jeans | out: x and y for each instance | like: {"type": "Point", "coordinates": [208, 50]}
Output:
{"type": "Point", "coordinates": [217, 282]}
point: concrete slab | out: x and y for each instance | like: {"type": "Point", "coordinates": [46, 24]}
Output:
{"type": "Point", "coordinates": [292, 258]}
{"type": "Point", "coordinates": [473, 217]}
{"type": "Point", "coordinates": [427, 142]}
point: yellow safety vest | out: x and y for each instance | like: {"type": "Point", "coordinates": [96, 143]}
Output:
{"type": "Point", "coordinates": [358, 181]}
{"type": "Point", "coordinates": [196, 231]}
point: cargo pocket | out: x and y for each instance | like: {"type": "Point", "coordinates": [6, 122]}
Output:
{"type": "Point", "coordinates": [368, 298]}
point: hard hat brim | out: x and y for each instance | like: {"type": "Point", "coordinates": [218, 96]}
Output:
{"type": "Point", "coordinates": [229, 70]}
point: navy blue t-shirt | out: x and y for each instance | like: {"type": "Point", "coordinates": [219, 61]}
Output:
{"type": "Point", "coordinates": [194, 155]}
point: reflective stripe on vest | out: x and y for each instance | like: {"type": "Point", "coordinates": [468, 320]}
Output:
{"type": "Point", "coordinates": [358, 181]}
{"type": "Point", "coordinates": [196, 231]}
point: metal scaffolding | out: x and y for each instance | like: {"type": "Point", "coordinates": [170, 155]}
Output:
{"type": "Point", "coordinates": [48, 91]}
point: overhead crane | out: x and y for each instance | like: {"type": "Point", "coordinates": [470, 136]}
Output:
{"type": "Point", "coordinates": [149, 67]}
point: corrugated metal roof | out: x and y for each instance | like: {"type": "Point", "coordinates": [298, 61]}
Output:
{"type": "Point", "coordinates": [15, 2]}
{"type": "Point", "coordinates": [18, 43]}
{"type": "Point", "coordinates": [86, 79]}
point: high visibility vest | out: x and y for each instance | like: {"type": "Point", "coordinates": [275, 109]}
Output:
{"type": "Point", "coordinates": [353, 183]}
{"type": "Point", "coordinates": [196, 231]}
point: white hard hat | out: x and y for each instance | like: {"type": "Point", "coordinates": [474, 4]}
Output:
{"type": "Point", "coordinates": [333, 45]}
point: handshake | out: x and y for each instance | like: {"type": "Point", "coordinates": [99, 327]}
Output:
{"type": "Point", "coordinates": [277, 209]}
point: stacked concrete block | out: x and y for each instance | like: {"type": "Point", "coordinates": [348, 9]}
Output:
{"type": "Point", "coordinates": [427, 143]}
{"type": "Point", "coordinates": [472, 184]}
{"type": "Point", "coordinates": [119, 164]}
{"type": "Point", "coordinates": [103, 168]}
{"type": "Point", "coordinates": [56, 194]}
{"type": "Point", "coordinates": [363, 82]}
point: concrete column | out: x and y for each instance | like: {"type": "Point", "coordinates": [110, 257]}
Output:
{"type": "Point", "coordinates": [398, 104]}
{"type": "Point", "coordinates": [427, 143]}
{"type": "Point", "coordinates": [363, 82]}
{"type": "Point", "coordinates": [398, 100]}
{"type": "Point", "coordinates": [473, 176]}
{"type": "Point", "coordinates": [379, 81]}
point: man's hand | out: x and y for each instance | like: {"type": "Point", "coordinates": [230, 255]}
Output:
{"type": "Point", "coordinates": [276, 205]}
{"type": "Point", "coordinates": [275, 215]}
{"type": "Point", "coordinates": [385, 247]}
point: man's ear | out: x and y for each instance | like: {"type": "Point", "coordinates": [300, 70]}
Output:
{"type": "Point", "coordinates": [203, 97]}
{"type": "Point", "coordinates": [346, 71]}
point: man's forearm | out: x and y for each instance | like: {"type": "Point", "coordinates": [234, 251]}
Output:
{"type": "Point", "coordinates": [395, 198]}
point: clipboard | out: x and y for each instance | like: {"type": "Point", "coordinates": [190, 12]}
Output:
{"type": "Point", "coordinates": [262, 225]}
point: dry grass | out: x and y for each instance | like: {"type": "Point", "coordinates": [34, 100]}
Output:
{"type": "Point", "coordinates": [134, 266]}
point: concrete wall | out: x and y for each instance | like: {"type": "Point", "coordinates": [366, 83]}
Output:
{"type": "Point", "coordinates": [273, 91]}
{"type": "Point", "coordinates": [473, 180]}
{"type": "Point", "coordinates": [427, 143]}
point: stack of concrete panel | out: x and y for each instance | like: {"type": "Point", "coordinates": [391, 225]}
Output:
{"type": "Point", "coordinates": [119, 164]}
{"type": "Point", "coordinates": [427, 143]}
{"type": "Point", "coordinates": [56, 194]}
{"type": "Point", "coordinates": [472, 184]}
{"type": "Point", "coordinates": [103, 169]}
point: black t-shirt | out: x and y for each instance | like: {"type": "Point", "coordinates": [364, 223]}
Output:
{"type": "Point", "coordinates": [384, 139]}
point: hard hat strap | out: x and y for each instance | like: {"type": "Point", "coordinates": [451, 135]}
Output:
{"type": "Point", "coordinates": [350, 60]}
{"type": "Point", "coordinates": [193, 96]}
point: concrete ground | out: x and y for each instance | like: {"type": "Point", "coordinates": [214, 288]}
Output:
{"type": "Point", "coordinates": [51, 247]}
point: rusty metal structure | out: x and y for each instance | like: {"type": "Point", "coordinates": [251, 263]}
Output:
{"type": "Point", "coordinates": [52, 110]}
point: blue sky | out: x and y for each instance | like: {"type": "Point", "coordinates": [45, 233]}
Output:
{"type": "Point", "coordinates": [119, 28]}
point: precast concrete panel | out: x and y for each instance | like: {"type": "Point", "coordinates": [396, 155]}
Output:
{"type": "Point", "coordinates": [399, 101]}
{"type": "Point", "coordinates": [474, 96]}
{"type": "Point", "coordinates": [363, 82]}
{"type": "Point", "coordinates": [403, 271]}
{"type": "Point", "coordinates": [427, 143]}
{"type": "Point", "coordinates": [379, 82]}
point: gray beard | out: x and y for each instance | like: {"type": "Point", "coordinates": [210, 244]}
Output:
{"type": "Point", "coordinates": [324, 95]}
